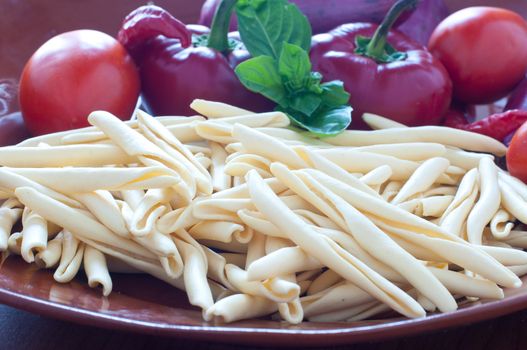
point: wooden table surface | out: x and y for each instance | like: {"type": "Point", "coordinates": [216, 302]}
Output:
{"type": "Point", "coordinates": [22, 330]}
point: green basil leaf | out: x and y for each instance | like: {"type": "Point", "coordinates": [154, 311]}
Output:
{"type": "Point", "coordinates": [313, 84]}
{"type": "Point", "coordinates": [325, 121]}
{"type": "Point", "coordinates": [306, 103]}
{"type": "Point", "coordinates": [294, 66]}
{"type": "Point", "coordinates": [260, 74]}
{"type": "Point", "coordinates": [278, 36]}
{"type": "Point", "coordinates": [265, 25]}
{"type": "Point", "coordinates": [294, 62]}
{"type": "Point", "coordinates": [333, 94]}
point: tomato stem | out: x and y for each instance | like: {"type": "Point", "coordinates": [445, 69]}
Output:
{"type": "Point", "coordinates": [218, 39]}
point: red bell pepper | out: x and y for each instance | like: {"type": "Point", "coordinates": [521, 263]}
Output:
{"type": "Point", "coordinates": [178, 63]}
{"type": "Point", "coordinates": [384, 71]}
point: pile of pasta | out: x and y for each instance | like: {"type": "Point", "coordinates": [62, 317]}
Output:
{"type": "Point", "coordinates": [252, 217]}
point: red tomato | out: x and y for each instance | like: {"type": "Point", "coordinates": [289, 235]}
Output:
{"type": "Point", "coordinates": [517, 154]}
{"type": "Point", "coordinates": [73, 74]}
{"type": "Point", "coordinates": [484, 49]}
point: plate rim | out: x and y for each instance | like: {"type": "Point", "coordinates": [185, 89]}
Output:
{"type": "Point", "coordinates": [268, 336]}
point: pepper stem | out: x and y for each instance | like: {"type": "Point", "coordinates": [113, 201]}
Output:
{"type": "Point", "coordinates": [376, 48]}
{"type": "Point", "coordinates": [220, 26]}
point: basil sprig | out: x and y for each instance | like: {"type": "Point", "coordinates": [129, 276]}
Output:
{"type": "Point", "coordinates": [278, 36]}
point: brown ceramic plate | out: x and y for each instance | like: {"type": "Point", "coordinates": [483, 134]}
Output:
{"type": "Point", "coordinates": [140, 303]}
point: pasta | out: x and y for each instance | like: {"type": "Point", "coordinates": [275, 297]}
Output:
{"type": "Point", "coordinates": [211, 109]}
{"type": "Point", "coordinates": [252, 218]}
{"type": "Point", "coordinates": [70, 259]}
{"type": "Point", "coordinates": [34, 235]}
{"type": "Point", "coordinates": [422, 178]}
{"type": "Point", "coordinates": [417, 151]}
{"type": "Point", "coordinates": [436, 134]}
{"type": "Point", "coordinates": [97, 270]}
{"type": "Point", "coordinates": [380, 246]}
{"type": "Point", "coordinates": [328, 252]}
{"type": "Point", "coordinates": [50, 256]}
{"type": "Point", "coordinates": [9, 215]}
{"type": "Point", "coordinates": [60, 156]}
{"type": "Point", "coordinates": [377, 122]}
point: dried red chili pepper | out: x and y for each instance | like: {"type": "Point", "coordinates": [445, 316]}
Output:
{"type": "Point", "coordinates": [497, 126]}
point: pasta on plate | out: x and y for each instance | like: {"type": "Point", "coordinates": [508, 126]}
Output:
{"type": "Point", "coordinates": [252, 217]}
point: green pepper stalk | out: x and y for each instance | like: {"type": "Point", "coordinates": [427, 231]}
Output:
{"type": "Point", "coordinates": [218, 39]}
{"type": "Point", "coordinates": [377, 47]}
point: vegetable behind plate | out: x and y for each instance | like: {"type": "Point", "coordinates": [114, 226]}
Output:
{"type": "Point", "coordinates": [498, 126]}
{"type": "Point", "coordinates": [73, 74]}
{"type": "Point", "coordinates": [329, 14]}
{"type": "Point", "coordinates": [179, 64]}
{"type": "Point", "coordinates": [517, 154]}
{"type": "Point", "coordinates": [12, 129]}
{"type": "Point", "coordinates": [484, 50]}
{"type": "Point", "coordinates": [323, 16]}
{"type": "Point", "coordinates": [385, 72]}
